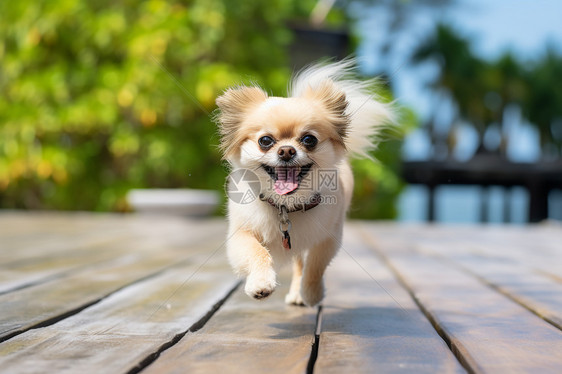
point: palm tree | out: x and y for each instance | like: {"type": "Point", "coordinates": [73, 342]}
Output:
{"type": "Point", "coordinates": [461, 79]}
{"type": "Point", "coordinates": [543, 105]}
{"type": "Point", "coordinates": [505, 85]}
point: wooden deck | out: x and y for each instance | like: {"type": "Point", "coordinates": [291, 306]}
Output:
{"type": "Point", "coordinates": [91, 293]}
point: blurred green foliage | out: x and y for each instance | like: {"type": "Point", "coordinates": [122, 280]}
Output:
{"type": "Point", "coordinates": [97, 96]}
{"type": "Point", "coordinates": [101, 97]}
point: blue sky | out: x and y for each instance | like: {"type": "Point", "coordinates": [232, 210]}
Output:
{"type": "Point", "coordinates": [495, 26]}
{"type": "Point", "coordinates": [525, 27]}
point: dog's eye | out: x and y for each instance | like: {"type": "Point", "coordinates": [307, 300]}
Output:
{"type": "Point", "coordinates": [266, 142]}
{"type": "Point", "coordinates": [309, 141]}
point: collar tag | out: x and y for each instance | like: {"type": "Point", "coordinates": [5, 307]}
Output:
{"type": "Point", "coordinates": [286, 240]}
{"type": "Point", "coordinates": [285, 227]}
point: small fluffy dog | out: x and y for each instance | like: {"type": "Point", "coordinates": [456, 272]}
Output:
{"type": "Point", "coordinates": [298, 148]}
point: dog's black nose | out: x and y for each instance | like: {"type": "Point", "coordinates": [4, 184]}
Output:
{"type": "Point", "coordinates": [286, 152]}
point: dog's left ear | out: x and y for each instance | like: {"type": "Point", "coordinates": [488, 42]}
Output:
{"type": "Point", "coordinates": [234, 105]}
{"type": "Point", "coordinates": [335, 103]}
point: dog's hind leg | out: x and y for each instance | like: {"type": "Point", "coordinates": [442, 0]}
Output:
{"type": "Point", "coordinates": [294, 296]}
{"type": "Point", "coordinates": [317, 260]}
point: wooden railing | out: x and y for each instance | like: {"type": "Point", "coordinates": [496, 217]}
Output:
{"type": "Point", "coordinates": [538, 178]}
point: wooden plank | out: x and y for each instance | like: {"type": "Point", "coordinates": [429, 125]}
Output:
{"type": "Point", "coordinates": [34, 244]}
{"type": "Point", "coordinates": [498, 264]}
{"type": "Point", "coordinates": [487, 331]}
{"type": "Point", "coordinates": [246, 336]}
{"type": "Point", "coordinates": [59, 233]}
{"type": "Point", "coordinates": [64, 254]}
{"type": "Point", "coordinates": [371, 324]}
{"type": "Point", "coordinates": [540, 294]}
{"type": "Point", "coordinates": [17, 227]}
{"type": "Point", "coordinates": [48, 301]}
{"type": "Point", "coordinates": [124, 329]}
{"type": "Point", "coordinates": [537, 247]}
{"type": "Point", "coordinates": [24, 273]}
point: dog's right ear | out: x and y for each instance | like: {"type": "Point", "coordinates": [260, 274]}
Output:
{"type": "Point", "coordinates": [234, 104]}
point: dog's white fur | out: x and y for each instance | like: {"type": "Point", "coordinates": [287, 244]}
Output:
{"type": "Point", "coordinates": [324, 101]}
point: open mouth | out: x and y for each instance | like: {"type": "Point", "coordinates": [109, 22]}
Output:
{"type": "Point", "coordinates": [287, 178]}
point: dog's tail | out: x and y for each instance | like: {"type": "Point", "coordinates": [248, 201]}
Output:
{"type": "Point", "coordinates": [366, 112]}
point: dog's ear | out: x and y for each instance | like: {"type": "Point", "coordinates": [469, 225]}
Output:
{"type": "Point", "coordinates": [335, 103]}
{"type": "Point", "coordinates": [234, 104]}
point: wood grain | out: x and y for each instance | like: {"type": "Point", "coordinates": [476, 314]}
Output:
{"type": "Point", "coordinates": [57, 247]}
{"type": "Point", "coordinates": [536, 292]}
{"type": "Point", "coordinates": [371, 324]}
{"type": "Point", "coordinates": [489, 332]}
{"type": "Point", "coordinates": [537, 247]}
{"type": "Point", "coordinates": [119, 332]}
{"type": "Point", "coordinates": [246, 336]}
{"type": "Point", "coordinates": [18, 274]}
{"type": "Point", "coordinates": [513, 270]}
{"type": "Point", "coordinates": [115, 293]}
{"type": "Point", "coordinates": [141, 257]}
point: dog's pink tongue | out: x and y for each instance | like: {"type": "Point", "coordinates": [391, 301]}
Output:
{"type": "Point", "coordinates": [286, 180]}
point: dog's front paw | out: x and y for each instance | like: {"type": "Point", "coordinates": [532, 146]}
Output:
{"type": "Point", "coordinates": [312, 293]}
{"type": "Point", "coordinates": [294, 298]}
{"type": "Point", "coordinates": [260, 286]}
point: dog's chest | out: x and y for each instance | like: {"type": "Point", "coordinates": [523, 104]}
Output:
{"type": "Point", "coordinates": [306, 229]}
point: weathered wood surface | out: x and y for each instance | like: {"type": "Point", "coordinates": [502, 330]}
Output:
{"type": "Point", "coordinates": [56, 246]}
{"type": "Point", "coordinates": [140, 257]}
{"type": "Point", "coordinates": [487, 330]}
{"type": "Point", "coordinates": [121, 331]}
{"type": "Point", "coordinates": [96, 293]}
{"type": "Point", "coordinates": [370, 323]}
{"type": "Point", "coordinates": [246, 336]}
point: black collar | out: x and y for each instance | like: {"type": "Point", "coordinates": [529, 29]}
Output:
{"type": "Point", "coordinates": [312, 203]}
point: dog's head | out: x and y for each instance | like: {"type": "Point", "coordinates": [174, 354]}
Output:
{"type": "Point", "coordinates": [285, 141]}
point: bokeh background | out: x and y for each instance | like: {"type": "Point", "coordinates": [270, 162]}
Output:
{"type": "Point", "coordinates": [101, 97]}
